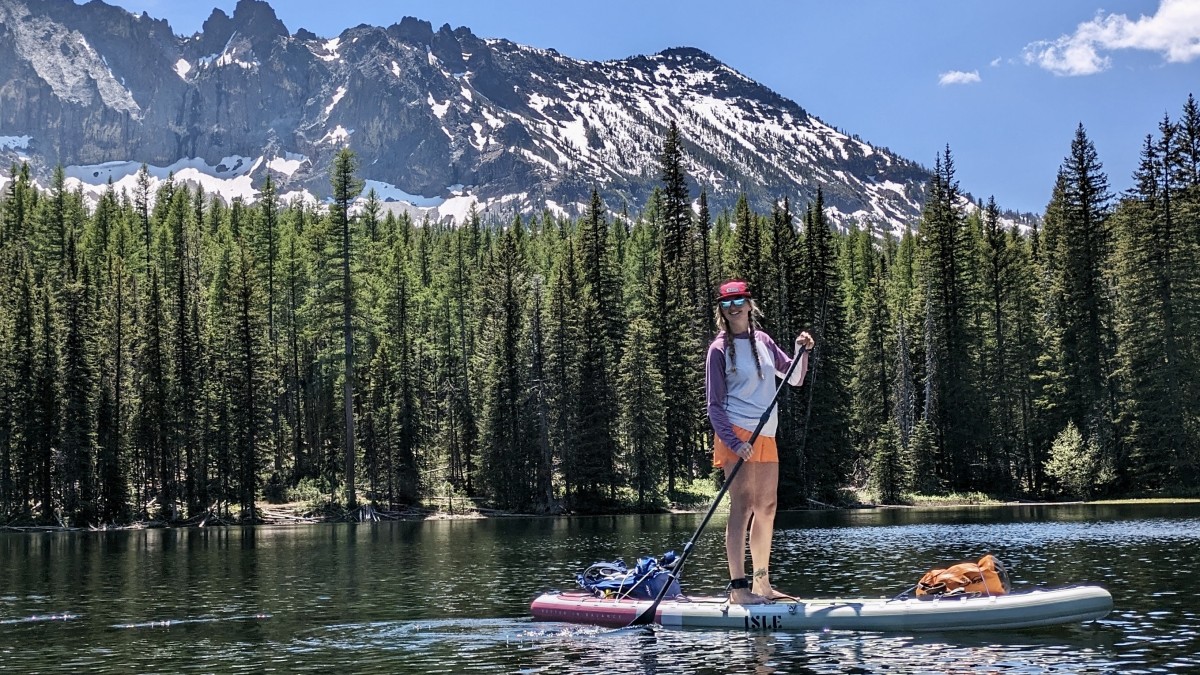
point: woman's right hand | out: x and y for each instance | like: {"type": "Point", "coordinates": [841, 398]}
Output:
{"type": "Point", "coordinates": [744, 450]}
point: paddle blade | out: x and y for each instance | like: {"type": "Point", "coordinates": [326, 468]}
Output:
{"type": "Point", "coordinates": [646, 617]}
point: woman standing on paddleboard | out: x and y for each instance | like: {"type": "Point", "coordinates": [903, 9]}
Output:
{"type": "Point", "coordinates": [740, 372]}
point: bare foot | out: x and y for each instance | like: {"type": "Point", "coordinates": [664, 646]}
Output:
{"type": "Point", "coordinates": [743, 596]}
{"type": "Point", "coordinates": [772, 595]}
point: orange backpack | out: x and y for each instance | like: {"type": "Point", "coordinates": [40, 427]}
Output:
{"type": "Point", "coordinates": [986, 577]}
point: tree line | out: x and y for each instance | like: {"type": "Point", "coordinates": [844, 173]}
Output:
{"type": "Point", "coordinates": [164, 354]}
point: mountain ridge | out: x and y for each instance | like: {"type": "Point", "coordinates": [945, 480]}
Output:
{"type": "Point", "coordinates": [440, 119]}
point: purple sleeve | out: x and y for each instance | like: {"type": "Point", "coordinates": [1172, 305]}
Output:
{"type": "Point", "coordinates": [714, 395]}
{"type": "Point", "coordinates": [783, 361]}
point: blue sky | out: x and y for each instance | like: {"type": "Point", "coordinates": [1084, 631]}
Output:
{"type": "Point", "coordinates": [1004, 83]}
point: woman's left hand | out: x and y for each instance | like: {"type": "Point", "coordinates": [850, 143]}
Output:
{"type": "Point", "coordinates": [805, 340]}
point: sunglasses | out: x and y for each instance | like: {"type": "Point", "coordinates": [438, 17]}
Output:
{"type": "Point", "coordinates": [736, 302]}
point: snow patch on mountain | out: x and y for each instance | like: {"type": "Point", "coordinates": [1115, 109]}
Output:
{"type": "Point", "coordinates": [390, 193]}
{"type": "Point", "coordinates": [229, 178]}
{"type": "Point", "coordinates": [459, 207]}
{"type": "Point", "coordinates": [287, 165]}
{"type": "Point", "coordinates": [439, 109]}
{"type": "Point", "coordinates": [337, 136]}
{"type": "Point", "coordinates": [299, 197]}
{"type": "Point", "coordinates": [15, 142]}
{"type": "Point", "coordinates": [65, 61]}
{"type": "Point", "coordinates": [329, 50]}
{"type": "Point", "coordinates": [337, 96]}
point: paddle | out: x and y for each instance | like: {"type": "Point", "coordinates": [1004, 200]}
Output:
{"type": "Point", "coordinates": [647, 615]}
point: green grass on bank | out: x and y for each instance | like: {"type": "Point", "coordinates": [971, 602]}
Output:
{"type": "Point", "coordinates": [866, 497]}
{"type": "Point", "coordinates": [1150, 500]}
{"type": "Point", "coordinates": [699, 495]}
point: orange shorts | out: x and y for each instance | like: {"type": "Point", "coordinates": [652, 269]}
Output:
{"type": "Point", "coordinates": [765, 449]}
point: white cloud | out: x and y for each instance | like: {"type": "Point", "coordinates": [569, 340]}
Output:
{"type": "Point", "coordinates": [958, 77]}
{"type": "Point", "coordinates": [996, 62]}
{"type": "Point", "coordinates": [1173, 31]}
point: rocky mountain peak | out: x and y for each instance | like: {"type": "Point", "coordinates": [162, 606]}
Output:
{"type": "Point", "coordinates": [441, 120]}
{"type": "Point", "coordinates": [257, 18]}
{"type": "Point", "coordinates": [412, 30]}
{"type": "Point", "coordinates": [215, 32]}
{"type": "Point", "coordinates": [689, 54]}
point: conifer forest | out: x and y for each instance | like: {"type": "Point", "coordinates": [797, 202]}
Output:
{"type": "Point", "coordinates": [164, 354]}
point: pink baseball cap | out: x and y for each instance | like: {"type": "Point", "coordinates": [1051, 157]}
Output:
{"type": "Point", "coordinates": [734, 288]}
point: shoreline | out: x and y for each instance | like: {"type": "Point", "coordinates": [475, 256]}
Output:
{"type": "Point", "coordinates": [291, 515]}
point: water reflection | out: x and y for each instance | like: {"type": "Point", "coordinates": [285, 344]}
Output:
{"type": "Point", "coordinates": [453, 596]}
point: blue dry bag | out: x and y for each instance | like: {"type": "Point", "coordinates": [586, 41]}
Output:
{"type": "Point", "coordinates": [644, 581]}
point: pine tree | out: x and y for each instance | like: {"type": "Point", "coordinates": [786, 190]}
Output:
{"type": "Point", "coordinates": [751, 253]}
{"type": "Point", "coordinates": [679, 347]}
{"type": "Point", "coordinates": [295, 282]}
{"type": "Point", "coordinates": [141, 202]}
{"type": "Point", "coordinates": [891, 468]}
{"type": "Point", "coordinates": [1023, 350]}
{"type": "Point", "coordinates": [1188, 140]}
{"type": "Point", "coordinates": [77, 449]}
{"type": "Point", "coordinates": [18, 207]}
{"type": "Point", "coordinates": [1080, 256]}
{"type": "Point", "coordinates": [404, 413]}
{"type": "Point", "coordinates": [112, 438]}
{"type": "Point", "coordinates": [948, 244]}
{"type": "Point", "coordinates": [821, 462]}
{"type": "Point", "coordinates": [219, 441]}
{"type": "Point", "coordinates": [539, 399]}
{"type": "Point", "coordinates": [508, 450]}
{"type": "Point", "coordinates": [640, 386]}
{"type": "Point", "coordinates": [870, 383]}
{"type": "Point", "coordinates": [706, 270]}
{"type": "Point", "coordinates": [780, 271]}
{"type": "Point", "coordinates": [345, 188]}
{"type": "Point", "coordinates": [46, 407]}
{"type": "Point", "coordinates": [563, 383]}
{"type": "Point", "coordinates": [247, 332]}
{"type": "Point", "coordinates": [675, 208]}
{"type": "Point", "coordinates": [269, 237]}
{"type": "Point", "coordinates": [997, 359]}
{"type": "Point", "coordinates": [179, 263]}
{"type": "Point", "coordinates": [1155, 268]}
{"type": "Point", "coordinates": [53, 230]}
{"type": "Point", "coordinates": [595, 447]}
{"type": "Point", "coordinates": [24, 392]}
{"type": "Point", "coordinates": [783, 276]}
{"type": "Point", "coordinates": [904, 398]}
{"type": "Point", "coordinates": [1077, 463]}
{"type": "Point", "coordinates": [153, 420]}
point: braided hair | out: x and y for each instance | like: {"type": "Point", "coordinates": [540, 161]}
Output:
{"type": "Point", "coordinates": [754, 312]}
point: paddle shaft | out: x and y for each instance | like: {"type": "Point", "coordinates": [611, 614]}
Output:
{"type": "Point", "coordinates": [647, 616]}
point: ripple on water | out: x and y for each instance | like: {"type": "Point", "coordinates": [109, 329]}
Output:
{"type": "Point", "coordinates": [40, 618]}
{"type": "Point", "coordinates": [188, 621]}
{"type": "Point", "coordinates": [405, 598]}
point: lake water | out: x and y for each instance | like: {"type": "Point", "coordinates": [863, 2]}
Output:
{"type": "Point", "coordinates": [453, 596]}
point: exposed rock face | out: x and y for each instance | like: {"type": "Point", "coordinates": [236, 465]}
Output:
{"type": "Point", "coordinates": [439, 114]}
